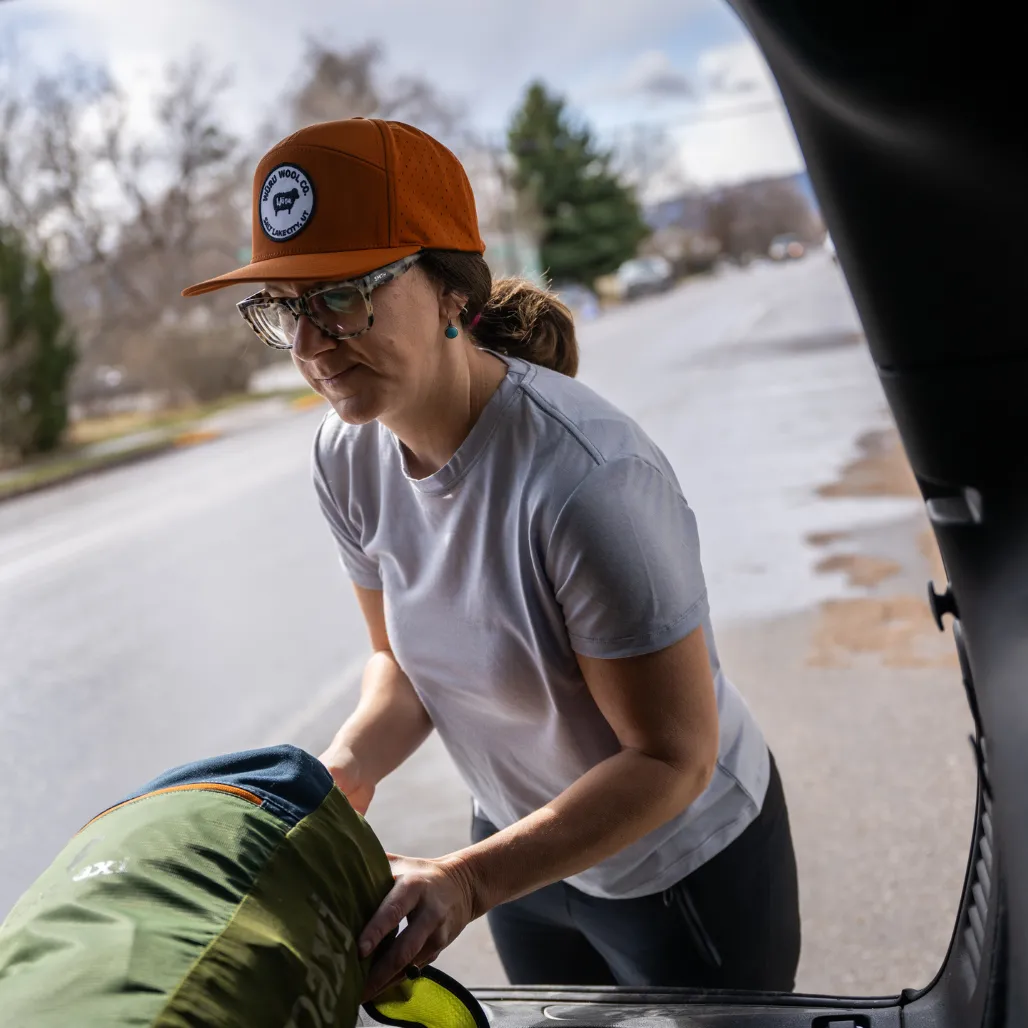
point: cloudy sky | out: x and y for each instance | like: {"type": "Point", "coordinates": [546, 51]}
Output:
{"type": "Point", "coordinates": [688, 64]}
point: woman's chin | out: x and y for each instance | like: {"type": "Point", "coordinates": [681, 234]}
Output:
{"type": "Point", "coordinates": [356, 409]}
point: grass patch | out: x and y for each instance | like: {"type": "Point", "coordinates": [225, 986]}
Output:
{"type": "Point", "coordinates": [113, 426]}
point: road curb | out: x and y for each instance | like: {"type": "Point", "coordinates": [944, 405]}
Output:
{"type": "Point", "coordinates": [195, 438]}
{"type": "Point", "coordinates": [109, 464]}
{"type": "Point", "coordinates": [178, 441]}
{"type": "Point", "coordinates": [306, 402]}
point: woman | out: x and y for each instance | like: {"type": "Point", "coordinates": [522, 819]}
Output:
{"type": "Point", "coordinates": [530, 576]}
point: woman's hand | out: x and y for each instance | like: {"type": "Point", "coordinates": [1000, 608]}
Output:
{"type": "Point", "coordinates": [343, 768]}
{"type": "Point", "coordinates": [438, 899]}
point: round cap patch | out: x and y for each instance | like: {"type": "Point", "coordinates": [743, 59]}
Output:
{"type": "Point", "coordinates": [287, 202]}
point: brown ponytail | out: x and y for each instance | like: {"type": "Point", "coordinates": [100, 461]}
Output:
{"type": "Point", "coordinates": [515, 316]}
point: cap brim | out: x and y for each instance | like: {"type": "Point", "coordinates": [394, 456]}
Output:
{"type": "Point", "coordinates": [307, 267]}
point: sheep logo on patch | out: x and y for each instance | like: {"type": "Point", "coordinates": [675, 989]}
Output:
{"type": "Point", "coordinates": [286, 202]}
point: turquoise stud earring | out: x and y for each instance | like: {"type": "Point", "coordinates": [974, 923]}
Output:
{"type": "Point", "coordinates": [451, 330]}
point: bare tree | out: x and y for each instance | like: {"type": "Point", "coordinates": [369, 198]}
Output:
{"type": "Point", "coordinates": [350, 83]}
{"type": "Point", "coordinates": [338, 85]}
{"type": "Point", "coordinates": [745, 219]}
{"type": "Point", "coordinates": [191, 225]}
{"type": "Point", "coordinates": [50, 181]}
{"type": "Point", "coordinates": [48, 160]}
{"type": "Point", "coordinates": [647, 157]}
{"type": "Point", "coordinates": [129, 219]}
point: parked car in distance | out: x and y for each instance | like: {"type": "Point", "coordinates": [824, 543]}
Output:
{"type": "Point", "coordinates": [582, 301]}
{"type": "Point", "coordinates": [642, 276]}
{"type": "Point", "coordinates": [786, 248]}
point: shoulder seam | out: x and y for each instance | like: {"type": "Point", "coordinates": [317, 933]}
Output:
{"type": "Point", "coordinates": [603, 462]}
{"type": "Point", "coordinates": [547, 408]}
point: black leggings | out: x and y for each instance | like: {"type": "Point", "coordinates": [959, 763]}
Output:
{"type": "Point", "coordinates": [733, 923]}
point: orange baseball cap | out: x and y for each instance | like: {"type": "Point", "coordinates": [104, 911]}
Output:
{"type": "Point", "coordinates": [342, 198]}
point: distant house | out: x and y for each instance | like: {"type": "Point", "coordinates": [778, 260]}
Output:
{"type": "Point", "coordinates": [689, 211]}
{"type": "Point", "coordinates": [742, 217]}
{"type": "Point", "coordinates": [515, 252]}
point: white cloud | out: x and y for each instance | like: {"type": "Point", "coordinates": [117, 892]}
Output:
{"type": "Point", "coordinates": [484, 52]}
{"type": "Point", "coordinates": [736, 68]}
{"type": "Point", "coordinates": [733, 128]}
{"type": "Point", "coordinates": [652, 74]}
{"type": "Point", "coordinates": [725, 146]}
{"type": "Point", "coordinates": [481, 53]}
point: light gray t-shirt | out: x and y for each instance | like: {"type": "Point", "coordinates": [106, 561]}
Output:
{"type": "Point", "coordinates": [557, 527]}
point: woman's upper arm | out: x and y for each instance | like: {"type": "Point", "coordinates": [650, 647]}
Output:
{"type": "Point", "coordinates": [337, 506]}
{"type": "Point", "coordinates": [373, 608]}
{"type": "Point", "coordinates": [624, 560]}
{"type": "Point", "coordinates": [660, 704]}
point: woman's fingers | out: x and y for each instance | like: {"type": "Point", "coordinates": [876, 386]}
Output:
{"type": "Point", "coordinates": [406, 949]}
{"type": "Point", "coordinates": [401, 899]}
{"type": "Point", "coordinates": [372, 991]}
{"type": "Point", "coordinates": [428, 953]}
{"type": "Point", "coordinates": [432, 897]}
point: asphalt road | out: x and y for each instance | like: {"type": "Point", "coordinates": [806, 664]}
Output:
{"type": "Point", "coordinates": [194, 605]}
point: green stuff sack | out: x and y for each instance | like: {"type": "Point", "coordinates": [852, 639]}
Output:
{"type": "Point", "coordinates": [229, 892]}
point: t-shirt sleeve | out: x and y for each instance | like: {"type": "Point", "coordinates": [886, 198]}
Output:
{"type": "Point", "coordinates": [624, 560]}
{"type": "Point", "coordinates": [362, 569]}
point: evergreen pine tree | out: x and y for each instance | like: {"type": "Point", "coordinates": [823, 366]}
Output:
{"type": "Point", "coordinates": [37, 353]}
{"type": "Point", "coordinates": [592, 222]}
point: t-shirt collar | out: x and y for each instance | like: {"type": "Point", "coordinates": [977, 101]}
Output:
{"type": "Point", "coordinates": [446, 479]}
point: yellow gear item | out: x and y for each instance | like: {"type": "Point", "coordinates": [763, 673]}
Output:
{"type": "Point", "coordinates": [432, 999]}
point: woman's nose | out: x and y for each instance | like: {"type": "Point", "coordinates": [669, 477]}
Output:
{"type": "Point", "coordinates": [309, 341]}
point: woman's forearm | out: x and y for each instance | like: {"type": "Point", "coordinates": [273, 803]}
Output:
{"type": "Point", "coordinates": [613, 805]}
{"type": "Point", "coordinates": [388, 725]}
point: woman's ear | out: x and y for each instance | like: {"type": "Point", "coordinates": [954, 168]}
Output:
{"type": "Point", "coordinates": [451, 304]}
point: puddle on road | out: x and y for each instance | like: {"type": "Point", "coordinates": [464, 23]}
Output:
{"type": "Point", "coordinates": [897, 631]}
{"type": "Point", "coordinates": [860, 569]}
{"type": "Point", "coordinates": [895, 628]}
{"type": "Point", "coordinates": [827, 538]}
{"type": "Point", "coordinates": [881, 469]}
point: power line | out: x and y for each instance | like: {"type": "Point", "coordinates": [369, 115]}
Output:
{"type": "Point", "coordinates": [757, 107]}
{"type": "Point", "coordinates": [696, 117]}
